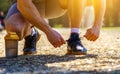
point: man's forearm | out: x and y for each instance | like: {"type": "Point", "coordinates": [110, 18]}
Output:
{"type": "Point", "coordinates": [30, 12]}
{"type": "Point", "coordinates": [99, 8]}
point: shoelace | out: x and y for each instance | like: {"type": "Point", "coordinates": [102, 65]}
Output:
{"type": "Point", "coordinates": [75, 44]}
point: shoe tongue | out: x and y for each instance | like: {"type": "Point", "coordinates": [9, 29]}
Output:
{"type": "Point", "coordinates": [74, 36]}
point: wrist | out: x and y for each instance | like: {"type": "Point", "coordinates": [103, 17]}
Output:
{"type": "Point", "coordinates": [48, 30]}
{"type": "Point", "coordinates": [97, 25]}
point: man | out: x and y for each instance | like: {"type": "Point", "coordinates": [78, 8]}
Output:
{"type": "Point", "coordinates": [24, 14]}
{"type": "Point", "coordinates": [1, 20]}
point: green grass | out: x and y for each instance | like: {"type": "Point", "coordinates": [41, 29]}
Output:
{"type": "Point", "coordinates": [58, 25]}
{"type": "Point", "coordinates": [111, 28]}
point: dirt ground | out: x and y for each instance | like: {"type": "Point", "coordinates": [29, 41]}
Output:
{"type": "Point", "coordinates": [103, 56]}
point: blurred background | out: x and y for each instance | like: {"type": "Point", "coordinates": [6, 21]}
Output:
{"type": "Point", "coordinates": [111, 19]}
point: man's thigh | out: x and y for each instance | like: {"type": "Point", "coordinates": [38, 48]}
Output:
{"type": "Point", "coordinates": [53, 9]}
{"type": "Point", "coordinates": [15, 22]}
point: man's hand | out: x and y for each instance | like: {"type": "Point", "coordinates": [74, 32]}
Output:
{"type": "Point", "coordinates": [55, 38]}
{"type": "Point", "coordinates": [92, 34]}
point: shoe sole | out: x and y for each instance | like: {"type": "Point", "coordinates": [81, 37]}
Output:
{"type": "Point", "coordinates": [29, 53]}
{"type": "Point", "coordinates": [34, 52]}
{"type": "Point", "coordinates": [69, 52]}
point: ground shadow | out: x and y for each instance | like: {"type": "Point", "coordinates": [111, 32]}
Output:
{"type": "Point", "coordinates": [35, 63]}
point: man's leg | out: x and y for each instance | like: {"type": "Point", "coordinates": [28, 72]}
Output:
{"type": "Point", "coordinates": [15, 22]}
{"type": "Point", "coordinates": [75, 10]}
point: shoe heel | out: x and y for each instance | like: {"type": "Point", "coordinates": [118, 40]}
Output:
{"type": "Point", "coordinates": [38, 37]}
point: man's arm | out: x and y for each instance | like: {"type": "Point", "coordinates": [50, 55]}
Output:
{"type": "Point", "coordinates": [92, 34]}
{"type": "Point", "coordinates": [30, 12]}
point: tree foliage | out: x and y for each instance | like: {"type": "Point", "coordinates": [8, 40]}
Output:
{"type": "Point", "coordinates": [4, 5]}
{"type": "Point", "coordinates": [112, 16]}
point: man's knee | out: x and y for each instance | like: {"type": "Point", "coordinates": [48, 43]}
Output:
{"type": "Point", "coordinates": [11, 28]}
{"type": "Point", "coordinates": [17, 24]}
{"type": "Point", "coordinates": [64, 3]}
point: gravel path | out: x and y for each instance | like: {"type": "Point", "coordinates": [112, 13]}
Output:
{"type": "Point", "coordinates": [103, 57]}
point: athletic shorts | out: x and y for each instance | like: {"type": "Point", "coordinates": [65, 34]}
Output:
{"type": "Point", "coordinates": [13, 9]}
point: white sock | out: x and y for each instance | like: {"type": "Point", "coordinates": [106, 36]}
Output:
{"type": "Point", "coordinates": [33, 32]}
{"type": "Point", "coordinates": [75, 30]}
